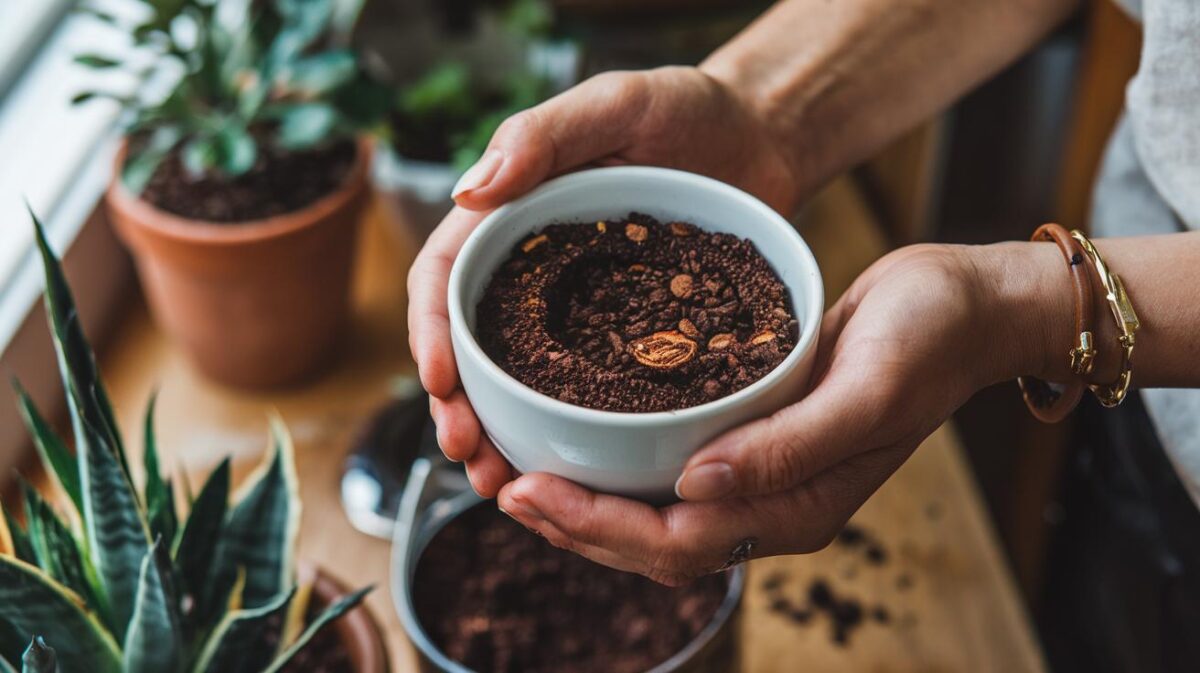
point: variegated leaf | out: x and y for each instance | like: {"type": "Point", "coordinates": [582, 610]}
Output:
{"type": "Point", "coordinates": [260, 534]}
{"type": "Point", "coordinates": [341, 607]}
{"type": "Point", "coordinates": [198, 546]}
{"type": "Point", "coordinates": [54, 546]}
{"type": "Point", "coordinates": [235, 646]}
{"type": "Point", "coordinates": [34, 604]}
{"type": "Point", "coordinates": [86, 395]}
{"type": "Point", "coordinates": [160, 506]}
{"type": "Point", "coordinates": [39, 657]}
{"type": "Point", "coordinates": [154, 643]}
{"type": "Point", "coordinates": [116, 531]}
{"type": "Point", "coordinates": [59, 462]}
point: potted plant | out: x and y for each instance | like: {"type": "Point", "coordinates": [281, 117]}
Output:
{"type": "Point", "coordinates": [238, 189]}
{"type": "Point", "coordinates": [128, 582]}
{"type": "Point", "coordinates": [445, 115]}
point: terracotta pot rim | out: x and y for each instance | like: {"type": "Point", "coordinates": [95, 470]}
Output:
{"type": "Point", "coordinates": [358, 631]}
{"type": "Point", "coordinates": [204, 232]}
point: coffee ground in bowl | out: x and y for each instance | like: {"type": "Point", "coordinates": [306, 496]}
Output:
{"type": "Point", "coordinates": [635, 315]}
{"type": "Point", "coordinates": [497, 598]}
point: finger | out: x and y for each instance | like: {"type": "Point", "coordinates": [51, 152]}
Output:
{"type": "Point", "coordinates": [428, 315]}
{"type": "Point", "coordinates": [773, 454]}
{"type": "Point", "coordinates": [588, 122]}
{"type": "Point", "coordinates": [487, 469]}
{"type": "Point", "coordinates": [671, 545]}
{"type": "Point", "coordinates": [458, 432]}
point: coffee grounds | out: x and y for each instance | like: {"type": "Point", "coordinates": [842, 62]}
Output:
{"type": "Point", "coordinates": [280, 182]}
{"type": "Point", "coordinates": [497, 598]}
{"type": "Point", "coordinates": [635, 315]}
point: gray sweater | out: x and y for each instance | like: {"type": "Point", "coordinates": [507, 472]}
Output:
{"type": "Point", "coordinates": [1149, 183]}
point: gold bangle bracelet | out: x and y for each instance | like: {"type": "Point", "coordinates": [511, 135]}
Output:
{"type": "Point", "coordinates": [1112, 394]}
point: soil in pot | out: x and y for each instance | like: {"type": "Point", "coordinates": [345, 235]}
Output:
{"type": "Point", "coordinates": [279, 182]}
{"type": "Point", "coordinates": [635, 315]}
{"type": "Point", "coordinates": [498, 598]}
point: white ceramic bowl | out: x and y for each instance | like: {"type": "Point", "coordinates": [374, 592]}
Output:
{"type": "Point", "coordinates": [638, 455]}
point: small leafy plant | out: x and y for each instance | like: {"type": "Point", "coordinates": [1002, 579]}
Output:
{"type": "Point", "coordinates": [452, 112]}
{"type": "Point", "coordinates": [241, 74]}
{"type": "Point", "coordinates": [127, 581]}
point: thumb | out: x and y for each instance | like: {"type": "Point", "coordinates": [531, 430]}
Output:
{"type": "Point", "coordinates": [581, 125]}
{"type": "Point", "coordinates": [781, 451]}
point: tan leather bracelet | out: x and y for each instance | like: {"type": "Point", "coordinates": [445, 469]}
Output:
{"type": "Point", "coordinates": [1050, 403]}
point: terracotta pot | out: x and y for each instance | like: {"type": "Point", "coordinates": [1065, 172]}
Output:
{"type": "Point", "coordinates": [356, 629]}
{"type": "Point", "coordinates": [256, 304]}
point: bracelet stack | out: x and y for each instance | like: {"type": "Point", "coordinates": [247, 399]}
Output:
{"type": "Point", "coordinates": [1051, 403]}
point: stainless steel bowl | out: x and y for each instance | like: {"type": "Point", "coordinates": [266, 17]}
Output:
{"type": "Point", "coordinates": [437, 492]}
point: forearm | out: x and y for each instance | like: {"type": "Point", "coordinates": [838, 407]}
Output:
{"type": "Point", "coordinates": [838, 80]}
{"type": "Point", "coordinates": [1030, 309]}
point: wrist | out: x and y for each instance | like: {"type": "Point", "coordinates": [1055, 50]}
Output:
{"type": "Point", "coordinates": [1027, 310]}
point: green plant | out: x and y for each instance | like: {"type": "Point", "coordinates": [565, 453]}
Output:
{"type": "Point", "coordinates": [242, 73]}
{"type": "Point", "coordinates": [453, 109]}
{"type": "Point", "coordinates": [127, 582]}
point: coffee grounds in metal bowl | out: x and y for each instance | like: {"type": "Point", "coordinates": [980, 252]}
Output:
{"type": "Point", "coordinates": [497, 598]}
{"type": "Point", "coordinates": [635, 315]}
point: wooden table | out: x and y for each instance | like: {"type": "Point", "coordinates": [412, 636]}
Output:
{"type": "Point", "coordinates": [959, 612]}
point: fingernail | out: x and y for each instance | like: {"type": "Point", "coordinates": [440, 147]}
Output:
{"type": "Point", "coordinates": [705, 482]}
{"type": "Point", "coordinates": [480, 174]}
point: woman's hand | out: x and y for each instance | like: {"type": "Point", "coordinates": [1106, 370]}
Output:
{"type": "Point", "coordinates": [676, 117]}
{"type": "Point", "coordinates": [908, 343]}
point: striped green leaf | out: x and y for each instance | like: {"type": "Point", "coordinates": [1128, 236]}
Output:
{"type": "Point", "coordinates": [34, 604]}
{"type": "Point", "coordinates": [198, 545]}
{"type": "Point", "coordinates": [14, 541]}
{"type": "Point", "coordinates": [260, 535]}
{"type": "Point", "coordinates": [39, 657]}
{"type": "Point", "coordinates": [341, 607]}
{"type": "Point", "coordinates": [86, 396]}
{"type": "Point", "coordinates": [160, 505]}
{"type": "Point", "coordinates": [154, 643]}
{"type": "Point", "coordinates": [55, 456]}
{"type": "Point", "coordinates": [54, 546]}
{"type": "Point", "coordinates": [12, 640]}
{"type": "Point", "coordinates": [116, 531]}
{"type": "Point", "coordinates": [236, 645]}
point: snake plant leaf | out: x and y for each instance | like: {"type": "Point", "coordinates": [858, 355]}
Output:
{"type": "Point", "coordinates": [198, 545]}
{"type": "Point", "coordinates": [160, 505]}
{"type": "Point", "coordinates": [33, 603]}
{"type": "Point", "coordinates": [86, 395]}
{"type": "Point", "coordinates": [235, 645]}
{"type": "Point", "coordinates": [39, 657]}
{"type": "Point", "coordinates": [54, 546]}
{"type": "Point", "coordinates": [341, 607]}
{"type": "Point", "coordinates": [18, 545]}
{"type": "Point", "coordinates": [53, 452]}
{"type": "Point", "coordinates": [5, 667]}
{"type": "Point", "coordinates": [260, 534]}
{"type": "Point", "coordinates": [154, 643]}
{"type": "Point", "coordinates": [117, 533]}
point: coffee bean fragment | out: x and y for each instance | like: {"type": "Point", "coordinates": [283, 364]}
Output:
{"type": "Point", "coordinates": [636, 232]}
{"type": "Point", "coordinates": [680, 229]}
{"type": "Point", "coordinates": [637, 268]}
{"type": "Point", "coordinates": [663, 350]}
{"type": "Point", "coordinates": [681, 286]}
{"type": "Point", "coordinates": [689, 329]}
{"type": "Point", "coordinates": [720, 342]}
{"type": "Point", "coordinates": [601, 227]}
{"type": "Point", "coordinates": [534, 242]}
{"type": "Point", "coordinates": [762, 338]}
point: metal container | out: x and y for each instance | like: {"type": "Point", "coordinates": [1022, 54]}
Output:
{"type": "Point", "coordinates": [438, 491]}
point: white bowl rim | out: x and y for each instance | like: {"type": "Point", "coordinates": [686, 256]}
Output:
{"type": "Point", "coordinates": [814, 307]}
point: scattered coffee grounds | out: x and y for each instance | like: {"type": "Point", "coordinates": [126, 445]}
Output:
{"type": "Point", "coordinates": [323, 654]}
{"type": "Point", "coordinates": [855, 537]}
{"type": "Point", "coordinates": [635, 315]}
{"type": "Point", "coordinates": [280, 182]}
{"type": "Point", "coordinates": [499, 599]}
{"type": "Point", "coordinates": [904, 582]}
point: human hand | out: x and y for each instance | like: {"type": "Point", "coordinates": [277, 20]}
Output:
{"type": "Point", "coordinates": [908, 343]}
{"type": "Point", "coordinates": [676, 117]}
